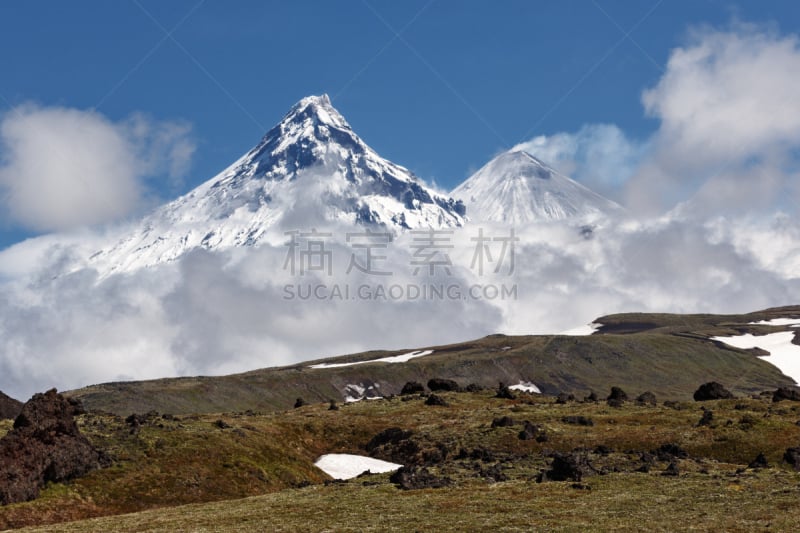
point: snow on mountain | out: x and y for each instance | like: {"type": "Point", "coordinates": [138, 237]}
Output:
{"type": "Point", "coordinates": [309, 169]}
{"type": "Point", "coordinates": [516, 188]}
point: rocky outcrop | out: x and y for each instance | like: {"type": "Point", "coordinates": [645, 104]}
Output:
{"type": "Point", "coordinates": [44, 446]}
{"type": "Point", "coordinates": [9, 407]}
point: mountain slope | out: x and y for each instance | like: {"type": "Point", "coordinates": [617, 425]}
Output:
{"type": "Point", "coordinates": [309, 169]}
{"type": "Point", "coordinates": [517, 188]}
{"type": "Point", "coordinates": [670, 355]}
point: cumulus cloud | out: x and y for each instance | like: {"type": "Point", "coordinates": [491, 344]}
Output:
{"type": "Point", "coordinates": [730, 122]}
{"type": "Point", "coordinates": [728, 134]}
{"type": "Point", "coordinates": [62, 168]}
{"type": "Point", "coordinates": [600, 156]}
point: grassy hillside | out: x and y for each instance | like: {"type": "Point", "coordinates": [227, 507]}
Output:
{"type": "Point", "coordinates": [666, 354]}
{"type": "Point", "coordinates": [166, 462]}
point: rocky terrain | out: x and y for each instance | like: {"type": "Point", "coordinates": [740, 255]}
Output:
{"type": "Point", "coordinates": [508, 459]}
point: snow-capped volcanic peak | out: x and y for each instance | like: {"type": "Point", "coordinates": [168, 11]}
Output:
{"type": "Point", "coordinates": [310, 168]}
{"type": "Point", "coordinates": [517, 188]}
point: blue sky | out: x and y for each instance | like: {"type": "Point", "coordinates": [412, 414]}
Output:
{"type": "Point", "coordinates": [461, 81]}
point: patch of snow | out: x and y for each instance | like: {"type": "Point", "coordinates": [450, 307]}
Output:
{"type": "Point", "coordinates": [404, 358]}
{"type": "Point", "coordinates": [347, 466]}
{"type": "Point", "coordinates": [526, 386]}
{"type": "Point", "coordinates": [782, 353]}
{"type": "Point", "coordinates": [352, 399]}
{"type": "Point", "coordinates": [793, 322]}
{"type": "Point", "coordinates": [588, 329]}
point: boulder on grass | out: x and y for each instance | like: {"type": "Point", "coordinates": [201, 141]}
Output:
{"type": "Point", "coordinates": [712, 391]}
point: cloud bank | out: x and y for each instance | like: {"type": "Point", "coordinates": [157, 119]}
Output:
{"type": "Point", "coordinates": [223, 312]}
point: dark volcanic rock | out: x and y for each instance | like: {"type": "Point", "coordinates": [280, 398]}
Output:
{"type": "Point", "coordinates": [494, 473]}
{"type": "Point", "coordinates": [567, 467]}
{"type": "Point", "coordinates": [504, 392]}
{"type": "Point", "coordinates": [646, 398]}
{"type": "Point", "coordinates": [617, 394]}
{"type": "Point", "coordinates": [577, 420]}
{"type": "Point", "coordinates": [503, 422]}
{"type": "Point", "coordinates": [221, 424]}
{"type": "Point", "coordinates": [792, 456]}
{"type": "Point", "coordinates": [671, 470]}
{"type": "Point", "coordinates": [785, 393]}
{"type": "Point", "coordinates": [412, 387]}
{"type": "Point", "coordinates": [9, 407]}
{"type": "Point", "coordinates": [602, 449]}
{"type": "Point", "coordinates": [711, 391]}
{"type": "Point", "coordinates": [299, 403]}
{"type": "Point", "coordinates": [532, 431]}
{"type": "Point", "coordinates": [44, 446]}
{"type": "Point", "coordinates": [433, 399]}
{"type": "Point", "coordinates": [387, 436]}
{"type": "Point", "coordinates": [669, 451]}
{"type": "Point", "coordinates": [563, 398]}
{"type": "Point", "coordinates": [412, 477]}
{"type": "Point", "coordinates": [447, 385]}
{"type": "Point", "coordinates": [591, 398]}
{"type": "Point", "coordinates": [707, 418]}
{"type": "Point", "coordinates": [759, 462]}
{"type": "Point", "coordinates": [617, 397]}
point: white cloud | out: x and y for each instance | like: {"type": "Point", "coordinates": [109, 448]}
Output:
{"type": "Point", "coordinates": [600, 156]}
{"type": "Point", "coordinates": [62, 168]}
{"type": "Point", "coordinates": [728, 136]}
{"type": "Point", "coordinates": [730, 124]}
{"type": "Point", "coordinates": [729, 95]}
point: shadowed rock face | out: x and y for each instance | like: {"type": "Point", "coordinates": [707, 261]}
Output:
{"type": "Point", "coordinates": [44, 445]}
{"type": "Point", "coordinates": [711, 391]}
{"type": "Point", "coordinates": [9, 407]}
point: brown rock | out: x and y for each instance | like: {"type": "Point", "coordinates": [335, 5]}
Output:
{"type": "Point", "coordinates": [44, 446]}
